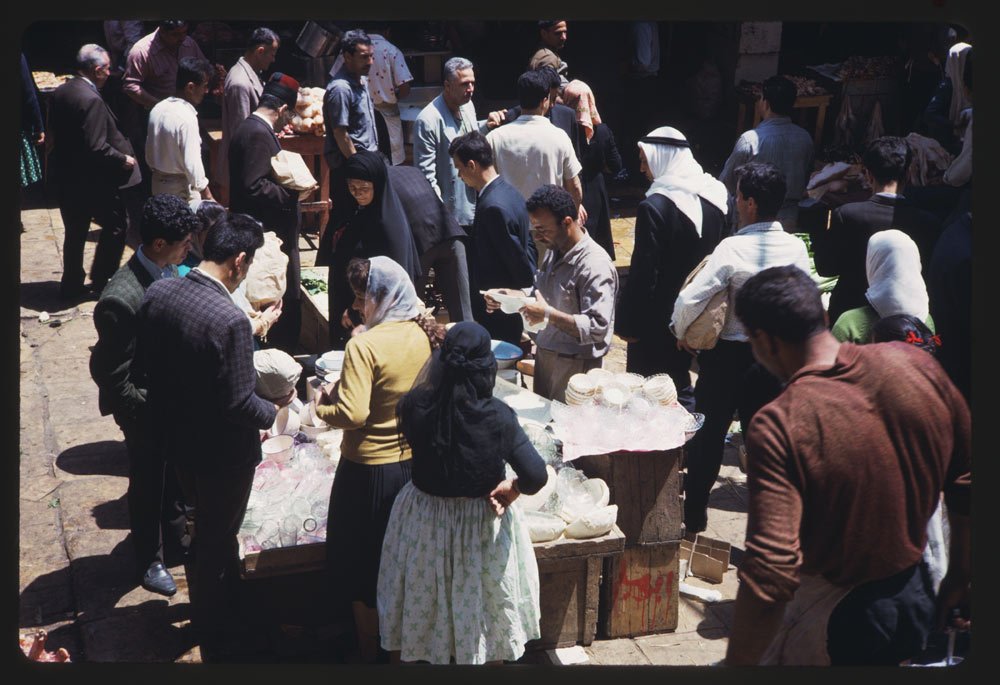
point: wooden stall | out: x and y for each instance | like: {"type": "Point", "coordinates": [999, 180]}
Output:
{"type": "Point", "coordinates": [640, 592]}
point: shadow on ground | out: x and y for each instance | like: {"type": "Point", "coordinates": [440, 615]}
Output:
{"type": "Point", "coordinates": [104, 458]}
{"type": "Point", "coordinates": [43, 296]}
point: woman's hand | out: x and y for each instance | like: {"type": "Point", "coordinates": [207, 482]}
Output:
{"type": "Point", "coordinates": [503, 495]}
{"type": "Point", "coordinates": [327, 394]}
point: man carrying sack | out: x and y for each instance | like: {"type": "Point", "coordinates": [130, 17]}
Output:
{"type": "Point", "coordinates": [255, 190]}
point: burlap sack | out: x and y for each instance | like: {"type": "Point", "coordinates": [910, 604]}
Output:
{"type": "Point", "coordinates": [277, 373]}
{"type": "Point", "coordinates": [266, 280]}
{"type": "Point", "coordinates": [704, 331]}
{"type": "Point", "coordinates": [291, 171]}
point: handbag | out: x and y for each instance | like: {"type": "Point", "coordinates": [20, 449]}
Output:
{"type": "Point", "coordinates": [290, 171]}
{"type": "Point", "coordinates": [704, 331]}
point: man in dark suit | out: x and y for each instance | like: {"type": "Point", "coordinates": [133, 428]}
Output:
{"type": "Point", "coordinates": [91, 162]}
{"type": "Point", "coordinates": [253, 191]}
{"type": "Point", "coordinates": [502, 253]}
{"type": "Point", "coordinates": [841, 250]}
{"type": "Point", "coordinates": [196, 348]}
{"type": "Point", "coordinates": [440, 240]}
{"type": "Point", "coordinates": [166, 229]}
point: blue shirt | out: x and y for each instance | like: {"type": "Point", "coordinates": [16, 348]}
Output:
{"type": "Point", "coordinates": [348, 103]}
{"type": "Point", "coordinates": [169, 271]}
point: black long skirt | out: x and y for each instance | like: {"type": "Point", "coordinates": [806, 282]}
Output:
{"type": "Point", "coordinates": [360, 503]}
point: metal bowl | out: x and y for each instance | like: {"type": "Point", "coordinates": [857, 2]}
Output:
{"type": "Point", "coordinates": [507, 354]}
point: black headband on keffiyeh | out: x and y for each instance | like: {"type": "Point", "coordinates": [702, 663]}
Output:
{"type": "Point", "coordinates": [663, 140]}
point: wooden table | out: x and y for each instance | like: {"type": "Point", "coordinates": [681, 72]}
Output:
{"type": "Point", "coordinates": [311, 149]}
{"type": "Point", "coordinates": [802, 103]}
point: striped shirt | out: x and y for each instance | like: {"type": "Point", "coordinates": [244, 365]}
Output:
{"type": "Point", "coordinates": [754, 248]}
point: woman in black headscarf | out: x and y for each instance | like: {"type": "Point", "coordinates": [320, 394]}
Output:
{"type": "Point", "coordinates": [459, 579]}
{"type": "Point", "coordinates": [373, 224]}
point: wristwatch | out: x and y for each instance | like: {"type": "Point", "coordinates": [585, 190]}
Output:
{"type": "Point", "coordinates": [545, 321]}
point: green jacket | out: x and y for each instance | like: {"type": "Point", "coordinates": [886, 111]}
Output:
{"type": "Point", "coordinates": [120, 392]}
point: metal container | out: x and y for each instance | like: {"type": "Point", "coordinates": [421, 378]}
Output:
{"type": "Point", "coordinates": [316, 41]}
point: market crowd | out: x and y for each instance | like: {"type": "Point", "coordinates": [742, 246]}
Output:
{"type": "Point", "coordinates": [845, 561]}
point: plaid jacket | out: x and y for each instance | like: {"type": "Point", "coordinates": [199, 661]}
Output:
{"type": "Point", "coordinates": [196, 349]}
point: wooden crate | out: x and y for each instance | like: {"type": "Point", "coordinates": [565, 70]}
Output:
{"type": "Point", "coordinates": [314, 334]}
{"type": "Point", "coordinates": [569, 574]}
{"type": "Point", "coordinates": [284, 561]}
{"type": "Point", "coordinates": [639, 595]}
{"type": "Point", "coordinates": [646, 488]}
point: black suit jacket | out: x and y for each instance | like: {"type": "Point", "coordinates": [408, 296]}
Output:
{"type": "Point", "coordinates": [430, 220]}
{"type": "Point", "coordinates": [253, 191]}
{"type": "Point", "coordinates": [196, 349]}
{"type": "Point", "coordinates": [120, 391]}
{"type": "Point", "coordinates": [841, 250]}
{"type": "Point", "coordinates": [88, 149]}
{"type": "Point", "coordinates": [503, 254]}
{"type": "Point", "coordinates": [252, 188]}
{"type": "Point", "coordinates": [667, 248]}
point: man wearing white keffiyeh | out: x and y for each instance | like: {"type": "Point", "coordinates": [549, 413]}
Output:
{"type": "Point", "coordinates": [681, 220]}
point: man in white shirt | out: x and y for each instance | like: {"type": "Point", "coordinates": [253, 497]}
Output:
{"type": "Point", "coordinates": [241, 92]}
{"type": "Point", "coordinates": [530, 151]}
{"type": "Point", "coordinates": [729, 379]}
{"type": "Point", "coordinates": [388, 81]}
{"type": "Point", "coordinates": [173, 141]}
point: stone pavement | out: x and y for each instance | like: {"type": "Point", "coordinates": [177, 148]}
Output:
{"type": "Point", "coordinates": [76, 574]}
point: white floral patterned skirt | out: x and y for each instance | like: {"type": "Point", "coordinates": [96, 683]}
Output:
{"type": "Point", "coordinates": [456, 582]}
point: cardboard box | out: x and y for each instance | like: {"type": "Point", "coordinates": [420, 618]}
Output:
{"type": "Point", "coordinates": [706, 557]}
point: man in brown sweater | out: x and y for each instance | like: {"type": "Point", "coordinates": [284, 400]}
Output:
{"type": "Point", "coordinates": [845, 469]}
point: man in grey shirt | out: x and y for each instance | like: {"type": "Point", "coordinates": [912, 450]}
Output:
{"type": "Point", "coordinates": [776, 140]}
{"type": "Point", "coordinates": [575, 291]}
{"type": "Point", "coordinates": [448, 116]}
{"type": "Point", "coordinates": [348, 111]}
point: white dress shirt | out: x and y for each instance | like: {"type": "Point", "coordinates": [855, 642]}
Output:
{"type": "Point", "coordinates": [173, 144]}
{"type": "Point", "coordinates": [754, 248]}
{"type": "Point", "coordinates": [531, 151]}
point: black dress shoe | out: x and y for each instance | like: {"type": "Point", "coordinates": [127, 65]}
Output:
{"type": "Point", "coordinates": [158, 579]}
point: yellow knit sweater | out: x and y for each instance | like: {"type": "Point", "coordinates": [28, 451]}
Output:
{"type": "Point", "coordinates": [380, 366]}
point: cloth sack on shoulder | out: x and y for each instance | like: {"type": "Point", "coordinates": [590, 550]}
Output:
{"type": "Point", "coordinates": [277, 373]}
{"type": "Point", "coordinates": [266, 279]}
{"type": "Point", "coordinates": [704, 331]}
{"type": "Point", "coordinates": [290, 171]}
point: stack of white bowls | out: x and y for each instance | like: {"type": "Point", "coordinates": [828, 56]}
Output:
{"type": "Point", "coordinates": [632, 381]}
{"type": "Point", "coordinates": [660, 388]}
{"type": "Point", "coordinates": [580, 390]}
{"type": "Point", "coordinates": [615, 395]}
{"type": "Point", "coordinates": [600, 376]}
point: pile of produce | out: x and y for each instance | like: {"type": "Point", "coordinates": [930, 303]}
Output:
{"type": "Point", "coordinates": [308, 116]}
{"type": "Point", "coordinates": [864, 68]}
{"type": "Point", "coordinates": [804, 87]}
{"type": "Point", "coordinates": [46, 79]}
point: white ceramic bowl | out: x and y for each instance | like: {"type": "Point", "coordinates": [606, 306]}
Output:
{"type": "Point", "coordinates": [286, 422]}
{"type": "Point", "coordinates": [278, 449]}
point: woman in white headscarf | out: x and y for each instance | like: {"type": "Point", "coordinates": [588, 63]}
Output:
{"type": "Point", "coordinates": [681, 220]}
{"type": "Point", "coordinates": [381, 363]}
{"type": "Point", "coordinates": [895, 286]}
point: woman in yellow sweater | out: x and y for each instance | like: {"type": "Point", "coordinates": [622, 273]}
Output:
{"type": "Point", "coordinates": [381, 361]}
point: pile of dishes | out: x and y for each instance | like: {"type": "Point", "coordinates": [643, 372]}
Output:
{"type": "Point", "coordinates": [581, 390]}
{"type": "Point", "coordinates": [660, 389]}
